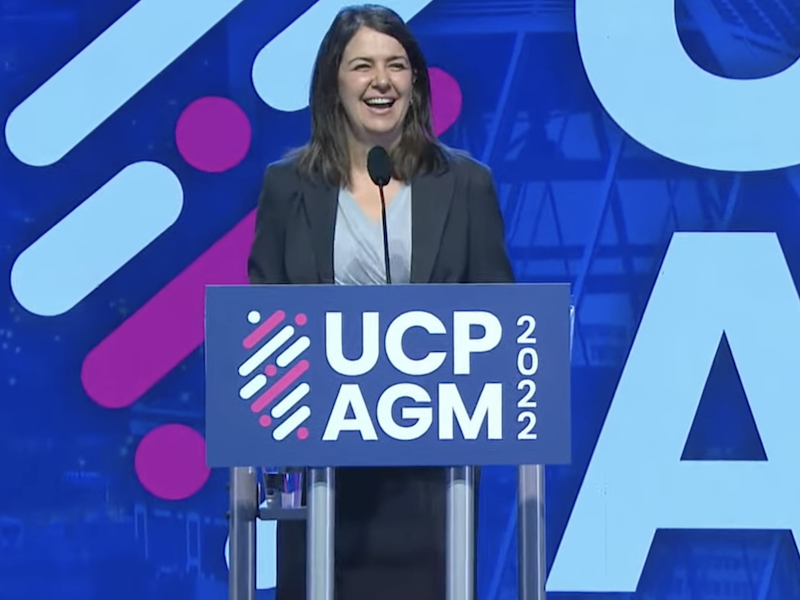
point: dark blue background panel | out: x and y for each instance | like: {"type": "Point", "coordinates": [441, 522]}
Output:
{"type": "Point", "coordinates": [158, 133]}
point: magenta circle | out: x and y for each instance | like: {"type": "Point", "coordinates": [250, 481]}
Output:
{"type": "Point", "coordinates": [265, 420]}
{"type": "Point", "coordinates": [302, 433]}
{"type": "Point", "coordinates": [300, 319]}
{"type": "Point", "coordinates": [213, 134]}
{"type": "Point", "coordinates": [271, 370]}
{"type": "Point", "coordinates": [170, 462]}
{"type": "Point", "coordinates": [446, 100]}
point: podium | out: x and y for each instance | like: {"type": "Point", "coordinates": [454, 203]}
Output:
{"type": "Point", "coordinates": [319, 377]}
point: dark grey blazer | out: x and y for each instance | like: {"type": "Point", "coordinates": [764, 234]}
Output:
{"type": "Point", "coordinates": [390, 523]}
{"type": "Point", "coordinates": [457, 229]}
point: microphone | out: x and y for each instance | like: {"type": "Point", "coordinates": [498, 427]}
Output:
{"type": "Point", "coordinates": [379, 166]}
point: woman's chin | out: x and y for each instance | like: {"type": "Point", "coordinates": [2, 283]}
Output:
{"type": "Point", "coordinates": [385, 133]}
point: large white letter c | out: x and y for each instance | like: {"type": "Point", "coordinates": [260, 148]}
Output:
{"type": "Point", "coordinates": [647, 83]}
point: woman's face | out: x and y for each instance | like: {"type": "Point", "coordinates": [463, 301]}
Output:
{"type": "Point", "coordinates": [375, 84]}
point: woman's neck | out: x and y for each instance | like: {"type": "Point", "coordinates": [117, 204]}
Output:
{"type": "Point", "coordinates": [358, 157]}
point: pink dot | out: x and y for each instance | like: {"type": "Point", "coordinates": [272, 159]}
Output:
{"type": "Point", "coordinates": [302, 433]}
{"type": "Point", "coordinates": [300, 319]}
{"type": "Point", "coordinates": [213, 134]}
{"type": "Point", "coordinates": [445, 100]}
{"type": "Point", "coordinates": [170, 462]}
{"type": "Point", "coordinates": [271, 370]}
{"type": "Point", "coordinates": [264, 420]}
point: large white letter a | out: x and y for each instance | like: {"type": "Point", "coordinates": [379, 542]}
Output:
{"type": "Point", "coordinates": [710, 283]}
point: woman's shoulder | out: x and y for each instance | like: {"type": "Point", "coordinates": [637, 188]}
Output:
{"type": "Point", "coordinates": [284, 169]}
{"type": "Point", "coordinates": [462, 164]}
{"type": "Point", "coordinates": [293, 169]}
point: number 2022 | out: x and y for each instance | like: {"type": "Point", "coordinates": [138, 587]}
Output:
{"type": "Point", "coordinates": [527, 366]}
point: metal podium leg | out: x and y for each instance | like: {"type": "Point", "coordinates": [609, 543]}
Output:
{"type": "Point", "coordinates": [532, 568]}
{"type": "Point", "coordinates": [460, 533]}
{"type": "Point", "coordinates": [242, 526]}
{"type": "Point", "coordinates": [321, 524]}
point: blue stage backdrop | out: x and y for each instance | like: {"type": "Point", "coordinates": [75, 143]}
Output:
{"type": "Point", "coordinates": [645, 152]}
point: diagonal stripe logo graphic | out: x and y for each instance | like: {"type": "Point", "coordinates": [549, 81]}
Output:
{"type": "Point", "coordinates": [273, 370]}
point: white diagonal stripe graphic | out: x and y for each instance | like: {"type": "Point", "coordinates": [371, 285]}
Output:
{"type": "Point", "coordinates": [292, 423]}
{"type": "Point", "coordinates": [251, 387]}
{"type": "Point", "coordinates": [289, 402]}
{"type": "Point", "coordinates": [263, 353]}
{"type": "Point", "coordinates": [106, 74]}
{"type": "Point", "coordinates": [286, 357]}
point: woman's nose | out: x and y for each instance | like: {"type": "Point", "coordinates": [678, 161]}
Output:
{"type": "Point", "coordinates": [381, 80]}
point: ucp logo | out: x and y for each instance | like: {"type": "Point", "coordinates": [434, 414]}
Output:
{"type": "Point", "coordinates": [475, 374]}
{"type": "Point", "coordinates": [417, 418]}
{"type": "Point", "coordinates": [710, 283]}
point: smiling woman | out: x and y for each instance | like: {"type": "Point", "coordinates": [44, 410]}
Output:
{"type": "Point", "coordinates": [370, 86]}
{"type": "Point", "coordinates": [319, 222]}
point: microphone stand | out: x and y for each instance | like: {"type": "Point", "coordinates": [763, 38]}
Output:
{"type": "Point", "coordinates": [386, 261]}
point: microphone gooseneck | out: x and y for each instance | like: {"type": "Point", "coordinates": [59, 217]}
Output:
{"type": "Point", "coordinates": [386, 263]}
{"type": "Point", "coordinates": [379, 166]}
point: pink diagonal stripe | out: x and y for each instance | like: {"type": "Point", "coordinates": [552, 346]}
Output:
{"type": "Point", "coordinates": [169, 327]}
{"type": "Point", "coordinates": [259, 332]}
{"type": "Point", "coordinates": [291, 376]}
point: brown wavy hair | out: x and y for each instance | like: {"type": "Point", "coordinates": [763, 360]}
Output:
{"type": "Point", "coordinates": [326, 155]}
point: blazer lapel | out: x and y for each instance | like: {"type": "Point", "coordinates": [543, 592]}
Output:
{"type": "Point", "coordinates": [320, 202]}
{"type": "Point", "coordinates": [431, 198]}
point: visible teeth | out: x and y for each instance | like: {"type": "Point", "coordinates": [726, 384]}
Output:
{"type": "Point", "coordinates": [380, 101]}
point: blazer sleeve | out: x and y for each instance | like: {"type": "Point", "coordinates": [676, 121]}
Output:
{"type": "Point", "coordinates": [488, 261]}
{"type": "Point", "coordinates": [265, 264]}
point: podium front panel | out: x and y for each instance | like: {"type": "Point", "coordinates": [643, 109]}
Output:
{"type": "Point", "coordinates": [402, 375]}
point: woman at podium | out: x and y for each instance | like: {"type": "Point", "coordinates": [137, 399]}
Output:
{"type": "Point", "coordinates": [319, 220]}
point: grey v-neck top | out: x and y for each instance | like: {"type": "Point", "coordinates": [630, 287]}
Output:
{"type": "Point", "coordinates": [358, 242]}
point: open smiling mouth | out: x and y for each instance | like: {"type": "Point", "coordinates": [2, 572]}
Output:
{"type": "Point", "coordinates": [379, 105]}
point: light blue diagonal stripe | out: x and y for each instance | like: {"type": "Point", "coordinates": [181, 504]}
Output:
{"type": "Point", "coordinates": [96, 239]}
{"type": "Point", "coordinates": [282, 69]}
{"type": "Point", "coordinates": [106, 74]}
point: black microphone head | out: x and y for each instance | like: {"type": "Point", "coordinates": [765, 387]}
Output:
{"type": "Point", "coordinates": [379, 166]}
